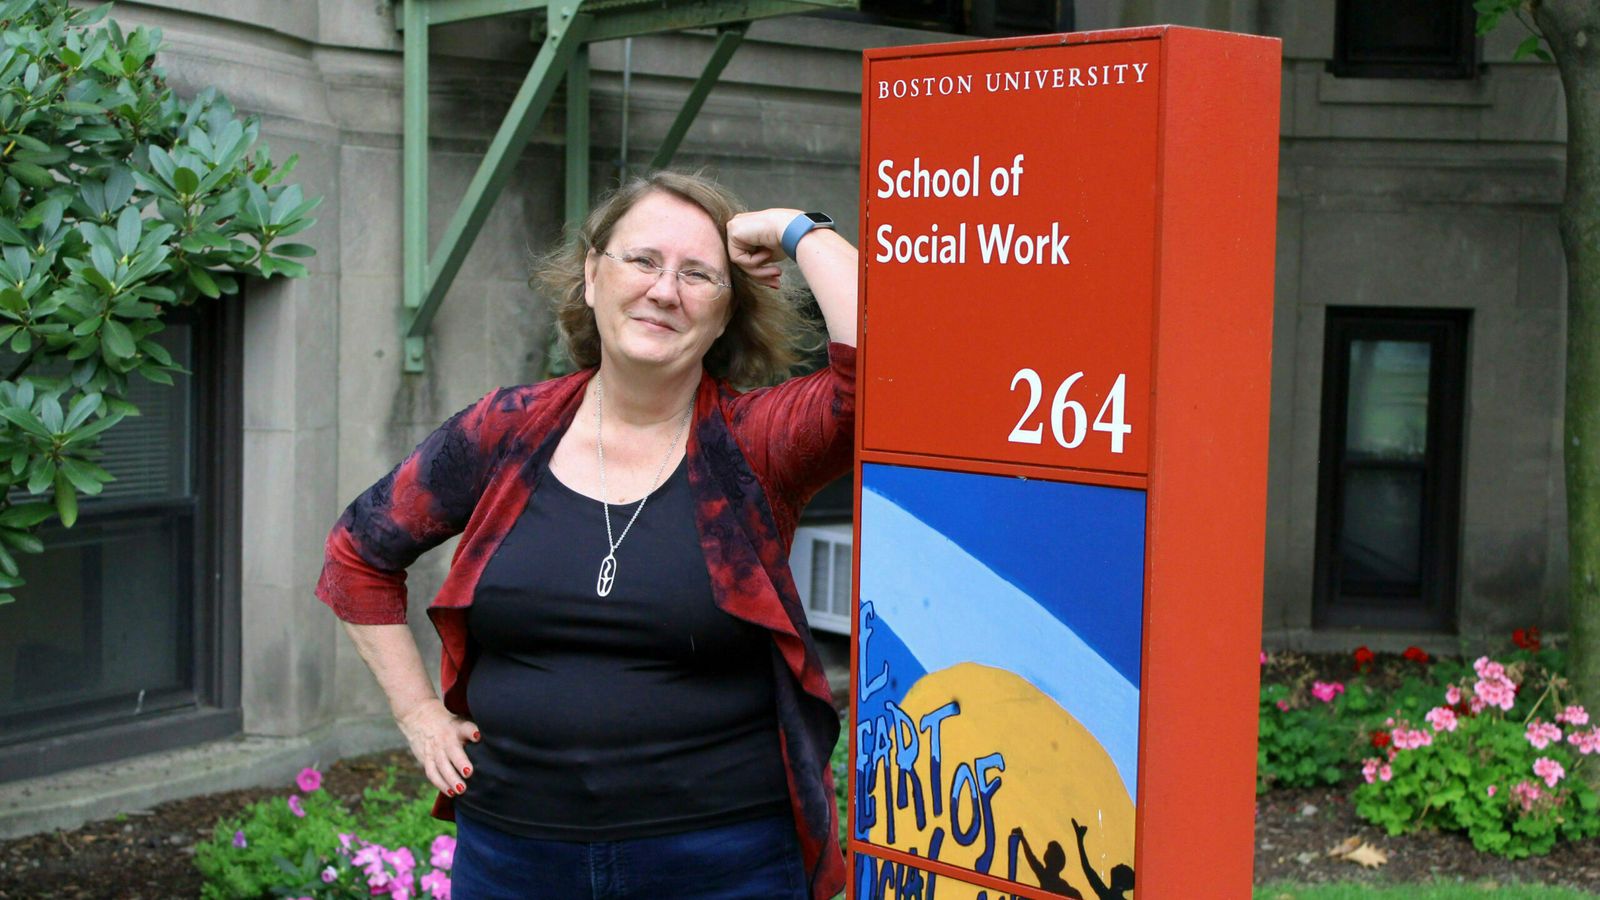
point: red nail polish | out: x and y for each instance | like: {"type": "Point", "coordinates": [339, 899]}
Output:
{"type": "Point", "coordinates": [476, 736]}
{"type": "Point", "coordinates": [460, 788]}
{"type": "Point", "coordinates": [467, 771]}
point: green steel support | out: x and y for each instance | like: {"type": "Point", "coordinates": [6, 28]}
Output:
{"type": "Point", "coordinates": [634, 20]}
{"type": "Point", "coordinates": [442, 12]}
{"type": "Point", "coordinates": [565, 34]}
{"type": "Point", "coordinates": [578, 138]}
{"type": "Point", "coordinates": [563, 55]}
{"type": "Point", "coordinates": [728, 38]}
{"type": "Point", "coordinates": [414, 166]}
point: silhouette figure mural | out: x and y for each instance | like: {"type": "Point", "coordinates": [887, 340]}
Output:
{"type": "Point", "coordinates": [998, 682]}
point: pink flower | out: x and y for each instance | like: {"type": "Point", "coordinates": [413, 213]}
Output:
{"type": "Point", "coordinates": [1540, 734]}
{"type": "Point", "coordinates": [1490, 790]}
{"type": "Point", "coordinates": [1488, 669]}
{"type": "Point", "coordinates": [442, 854]}
{"type": "Point", "coordinates": [401, 859]}
{"type": "Point", "coordinates": [1526, 793]}
{"type": "Point", "coordinates": [1442, 718]}
{"type": "Point", "coordinates": [1496, 691]}
{"type": "Point", "coordinates": [437, 883]}
{"type": "Point", "coordinates": [1412, 738]}
{"type": "Point", "coordinates": [370, 856]}
{"type": "Point", "coordinates": [1549, 770]}
{"type": "Point", "coordinates": [1573, 715]}
{"type": "Point", "coordinates": [1369, 770]}
{"type": "Point", "coordinates": [1587, 742]}
{"type": "Point", "coordinates": [344, 840]}
{"type": "Point", "coordinates": [1283, 705]}
{"type": "Point", "coordinates": [1263, 657]}
{"type": "Point", "coordinates": [1452, 695]}
{"type": "Point", "coordinates": [239, 841]}
{"type": "Point", "coordinates": [1476, 705]}
{"type": "Point", "coordinates": [308, 780]}
{"type": "Point", "coordinates": [330, 875]}
{"type": "Point", "coordinates": [1385, 773]}
{"type": "Point", "coordinates": [1326, 690]}
{"type": "Point", "coordinates": [295, 806]}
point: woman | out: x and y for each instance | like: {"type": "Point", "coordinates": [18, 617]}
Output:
{"type": "Point", "coordinates": [632, 704]}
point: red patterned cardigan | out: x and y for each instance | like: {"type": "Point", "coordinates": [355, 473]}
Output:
{"type": "Point", "coordinates": [754, 460]}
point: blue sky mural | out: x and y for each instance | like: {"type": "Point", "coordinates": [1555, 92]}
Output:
{"type": "Point", "coordinates": [1043, 579]}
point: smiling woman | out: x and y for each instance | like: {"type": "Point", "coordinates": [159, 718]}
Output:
{"type": "Point", "coordinates": [645, 705]}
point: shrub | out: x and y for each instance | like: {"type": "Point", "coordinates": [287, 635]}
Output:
{"type": "Point", "coordinates": [1494, 759]}
{"type": "Point", "coordinates": [309, 845]}
{"type": "Point", "coordinates": [118, 202]}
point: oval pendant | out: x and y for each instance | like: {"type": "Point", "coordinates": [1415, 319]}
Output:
{"type": "Point", "coordinates": [608, 575]}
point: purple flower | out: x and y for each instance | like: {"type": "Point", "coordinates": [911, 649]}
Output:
{"type": "Point", "coordinates": [308, 780]}
{"type": "Point", "coordinates": [330, 875]}
{"type": "Point", "coordinates": [295, 806]}
{"type": "Point", "coordinates": [239, 841]}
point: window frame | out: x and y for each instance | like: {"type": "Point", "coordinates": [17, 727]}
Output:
{"type": "Point", "coordinates": [210, 709]}
{"type": "Point", "coordinates": [1463, 64]}
{"type": "Point", "coordinates": [1434, 606]}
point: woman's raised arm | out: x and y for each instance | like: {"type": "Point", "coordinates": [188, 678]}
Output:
{"type": "Point", "coordinates": [826, 259]}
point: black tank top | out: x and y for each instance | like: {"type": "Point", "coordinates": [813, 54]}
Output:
{"type": "Point", "coordinates": [649, 711]}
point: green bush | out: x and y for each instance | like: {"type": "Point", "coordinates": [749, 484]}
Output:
{"type": "Point", "coordinates": [118, 202]}
{"type": "Point", "coordinates": [1494, 755]}
{"type": "Point", "coordinates": [272, 850]}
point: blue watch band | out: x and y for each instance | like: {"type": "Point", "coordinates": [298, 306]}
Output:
{"type": "Point", "coordinates": [799, 227]}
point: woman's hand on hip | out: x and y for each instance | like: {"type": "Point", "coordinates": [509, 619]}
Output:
{"type": "Point", "coordinates": [755, 242]}
{"type": "Point", "coordinates": [437, 738]}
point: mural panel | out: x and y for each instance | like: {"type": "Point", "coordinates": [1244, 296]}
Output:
{"type": "Point", "coordinates": [998, 661]}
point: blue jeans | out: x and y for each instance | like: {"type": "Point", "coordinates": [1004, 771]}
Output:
{"type": "Point", "coordinates": [754, 860]}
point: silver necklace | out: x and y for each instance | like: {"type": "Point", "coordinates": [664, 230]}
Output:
{"type": "Point", "coordinates": [608, 566]}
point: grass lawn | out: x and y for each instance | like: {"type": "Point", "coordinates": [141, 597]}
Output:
{"type": "Point", "coordinates": [1436, 891]}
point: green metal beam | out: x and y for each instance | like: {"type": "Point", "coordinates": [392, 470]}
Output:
{"type": "Point", "coordinates": [443, 12]}
{"type": "Point", "coordinates": [565, 34]}
{"type": "Point", "coordinates": [414, 169]}
{"type": "Point", "coordinates": [728, 38]}
{"type": "Point", "coordinates": [652, 19]}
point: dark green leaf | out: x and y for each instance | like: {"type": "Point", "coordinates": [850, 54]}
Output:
{"type": "Point", "coordinates": [86, 477]}
{"type": "Point", "coordinates": [77, 108]}
{"type": "Point", "coordinates": [203, 282]}
{"type": "Point", "coordinates": [117, 339]}
{"type": "Point", "coordinates": [25, 515]}
{"type": "Point", "coordinates": [66, 501]}
{"type": "Point", "coordinates": [185, 180]}
{"type": "Point", "coordinates": [32, 175]}
{"type": "Point", "coordinates": [22, 540]}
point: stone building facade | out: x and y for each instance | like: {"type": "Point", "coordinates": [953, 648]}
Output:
{"type": "Point", "coordinates": [1430, 203]}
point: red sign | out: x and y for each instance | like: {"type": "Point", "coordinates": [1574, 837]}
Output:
{"type": "Point", "coordinates": [1009, 238]}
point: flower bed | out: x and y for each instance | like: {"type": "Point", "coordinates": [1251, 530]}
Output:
{"type": "Point", "coordinates": [309, 845]}
{"type": "Point", "coordinates": [1489, 750]}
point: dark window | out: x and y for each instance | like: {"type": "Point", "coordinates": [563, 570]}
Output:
{"type": "Point", "coordinates": [124, 624]}
{"type": "Point", "coordinates": [1389, 492]}
{"type": "Point", "coordinates": [1411, 39]}
{"type": "Point", "coordinates": [980, 18]}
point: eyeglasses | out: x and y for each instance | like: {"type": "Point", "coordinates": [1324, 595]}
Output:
{"type": "Point", "coordinates": [696, 283]}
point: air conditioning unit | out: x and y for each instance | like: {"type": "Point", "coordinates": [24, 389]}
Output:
{"type": "Point", "coordinates": [820, 559]}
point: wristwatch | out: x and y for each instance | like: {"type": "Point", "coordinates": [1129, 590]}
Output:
{"type": "Point", "coordinates": [800, 227]}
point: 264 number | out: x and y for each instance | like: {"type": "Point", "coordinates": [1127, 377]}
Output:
{"type": "Point", "coordinates": [1111, 418]}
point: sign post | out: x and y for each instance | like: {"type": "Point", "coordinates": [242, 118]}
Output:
{"type": "Point", "coordinates": [1061, 478]}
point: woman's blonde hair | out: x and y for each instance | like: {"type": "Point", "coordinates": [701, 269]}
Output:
{"type": "Point", "coordinates": [766, 333]}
